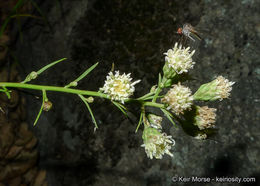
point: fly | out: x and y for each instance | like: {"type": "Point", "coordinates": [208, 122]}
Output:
{"type": "Point", "coordinates": [189, 32]}
{"type": "Point", "coordinates": [189, 36]}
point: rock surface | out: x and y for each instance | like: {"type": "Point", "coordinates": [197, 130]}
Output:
{"type": "Point", "coordinates": [18, 153]}
{"type": "Point", "coordinates": [134, 35]}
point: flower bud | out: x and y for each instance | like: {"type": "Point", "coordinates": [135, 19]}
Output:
{"type": "Point", "coordinates": [153, 89]}
{"type": "Point", "coordinates": [47, 105]}
{"type": "Point", "coordinates": [219, 88]}
{"type": "Point", "coordinates": [205, 117]}
{"type": "Point", "coordinates": [73, 84]}
{"type": "Point", "coordinates": [168, 83]}
{"type": "Point", "coordinates": [31, 76]}
{"type": "Point", "coordinates": [168, 72]}
{"type": "Point", "coordinates": [90, 99]}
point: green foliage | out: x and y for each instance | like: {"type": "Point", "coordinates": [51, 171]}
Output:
{"type": "Point", "coordinates": [44, 98]}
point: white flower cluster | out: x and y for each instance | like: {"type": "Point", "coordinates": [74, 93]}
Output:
{"type": "Point", "coordinates": [119, 87]}
{"type": "Point", "coordinates": [158, 144]}
{"type": "Point", "coordinates": [180, 59]}
{"type": "Point", "coordinates": [205, 117]}
{"type": "Point", "coordinates": [224, 87]}
{"type": "Point", "coordinates": [178, 98]}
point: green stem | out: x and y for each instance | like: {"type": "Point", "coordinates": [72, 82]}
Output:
{"type": "Point", "coordinates": [159, 89]}
{"type": "Point", "coordinates": [71, 91]}
{"type": "Point", "coordinates": [53, 88]}
{"type": "Point", "coordinates": [152, 104]}
{"type": "Point", "coordinates": [145, 96]}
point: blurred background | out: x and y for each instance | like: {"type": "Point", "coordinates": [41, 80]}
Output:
{"type": "Point", "coordinates": [63, 149]}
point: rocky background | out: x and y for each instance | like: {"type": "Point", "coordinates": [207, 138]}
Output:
{"type": "Point", "coordinates": [18, 145]}
{"type": "Point", "coordinates": [134, 35]}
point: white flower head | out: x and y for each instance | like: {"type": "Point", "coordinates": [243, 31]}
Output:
{"type": "Point", "coordinates": [205, 117]}
{"type": "Point", "coordinates": [157, 144]}
{"type": "Point", "coordinates": [224, 87]}
{"type": "Point", "coordinates": [180, 59]}
{"type": "Point", "coordinates": [119, 87]}
{"type": "Point", "coordinates": [178, 99]}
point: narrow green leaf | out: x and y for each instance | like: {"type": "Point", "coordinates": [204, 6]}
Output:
{"type": "Point", "coordinates": [3, 27]}
{"type": "Point", "coordinates": [169, 116]}
{"type": "Point", "coordinates": [119, 106]}
{"type": "Point", "coordinates": [41, 13]}
{"type": "Point", "coordinates": [89, 109]}
{"type": "Point", "coordinates": [8, 94]}
{"type": "Point", "coordinates": [6, 91]}
{"type": "Point", "coordinates": [25, 15]}
{"type": "Point", "coordinates": [144, 97]}
{"type": "Point", "coordinates": [86, 72]}
{"type": "Point", "coordinates": [40, 112]}
{"type": "Point", "coordinates": [139, 123]}
{"type": "Point", "coordinates": [17, 5]}
{"type": "Point", "coordinates": [49, 65]}
{"type": "Point", "coordinates": [112, 67]}
{"type": "Point", "coordinates": [34, 74]}
{"type": "Point", "coordinates": [83, 75]}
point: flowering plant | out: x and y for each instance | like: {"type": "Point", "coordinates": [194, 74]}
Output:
{"type": "Point", "coordinates": [177, 104]}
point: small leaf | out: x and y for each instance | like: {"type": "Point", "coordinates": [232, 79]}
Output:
{"type": "Point", "coordinates": [44, 97]}
{"type": "Point", "coordinates": [34, 74]}
{"type": "Point", "coordinates": [146, 96]}
{"type": "Point", "coordinates": [139, 123]}
{"type": "Point", "coordinates": [6, 91]}
{"type": "Point", "coordinates": [3, 27]}
{"type": "Point", "coordinates": [86, 72]}
{"type": "Point", "coordinates": [89, 109]}
{"type": "Point", "coordinates": [83, 75]}
{"type": "Point", "coordinates": [120, 107]}
{"type": "Point", "coordinates": [112, 67]}
{"type": "Point", "coordinates": [25, 15]}
{"type": "Point", "coordinates": [50, 65]}
{"type": "Point", "coordinates": [41, 13]}
{"type": "Point", "coordinates": [169, 116]}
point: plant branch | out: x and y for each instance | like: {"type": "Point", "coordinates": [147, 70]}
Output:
{"type": "Point", "coordinates": [54, 88]}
